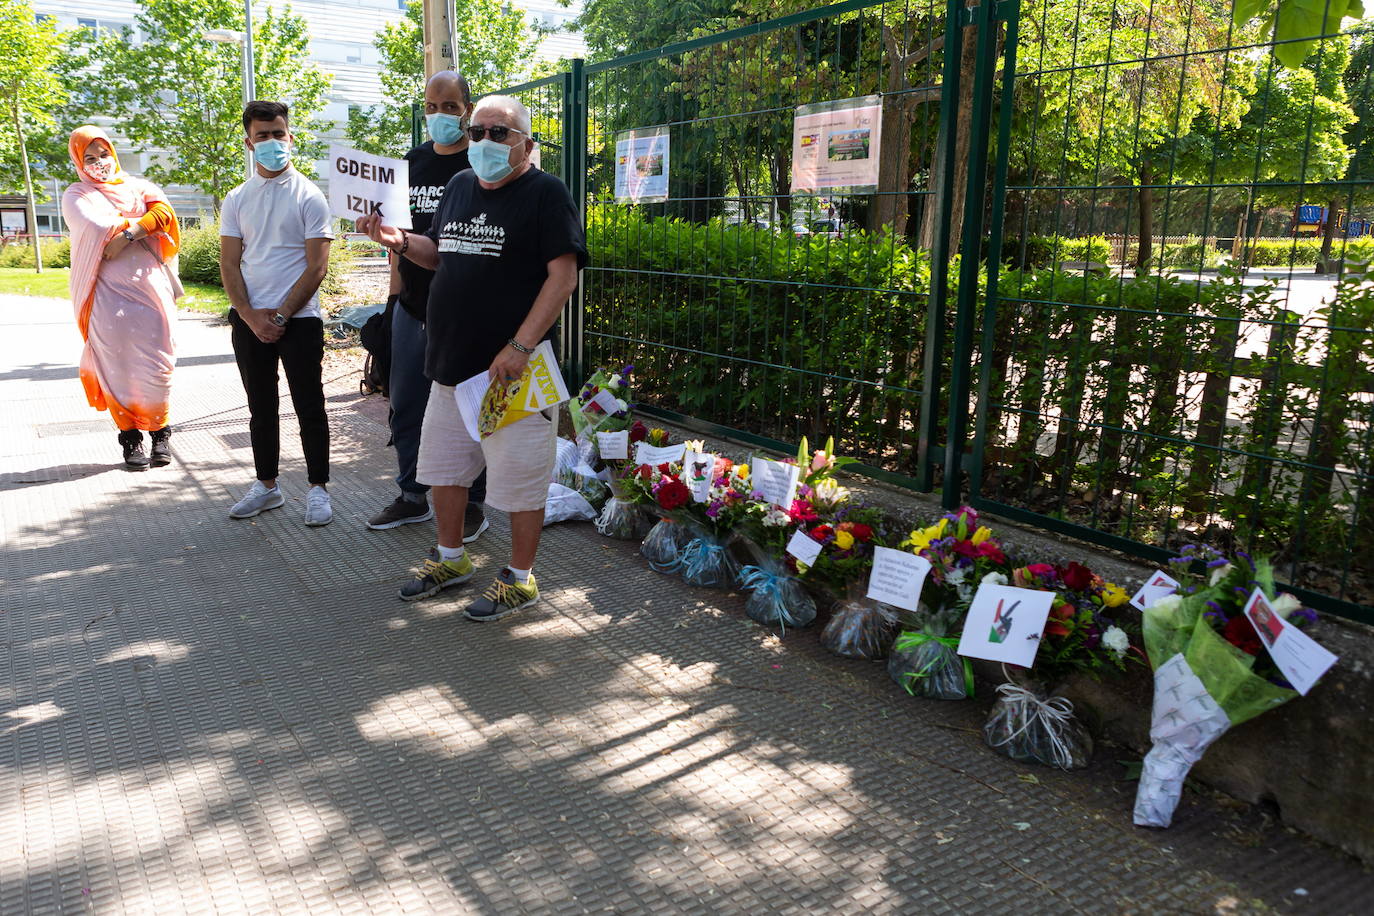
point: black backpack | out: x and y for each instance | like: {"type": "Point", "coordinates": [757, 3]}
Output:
{"type": "Point", "coordinates": [375, 335]}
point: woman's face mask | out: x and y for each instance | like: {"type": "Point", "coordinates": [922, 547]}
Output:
{"type": "Point", "coordinates": [101, 167]}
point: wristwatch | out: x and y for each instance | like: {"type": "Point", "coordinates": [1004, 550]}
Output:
{"type": "Point", "coordinates": [278, 319]}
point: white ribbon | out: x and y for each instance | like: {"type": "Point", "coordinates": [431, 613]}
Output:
{"type": "Point", "coordinates": [1056, 713]}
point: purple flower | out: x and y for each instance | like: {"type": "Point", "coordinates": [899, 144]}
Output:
{"type": "Point", "coordinates": [1219, 561]}
{"type": "Point", "coordinates": [1302, 617]}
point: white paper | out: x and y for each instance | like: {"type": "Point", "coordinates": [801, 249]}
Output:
{"type": "Point", "coordinates": [698, 471]}
{"type": "Point", "coordinates": [361, 184]}
{"type": "Point", "coordinates": [776, 480]}
{"type": "Point", "coordinates": [1301, 658]}
{"type": "Point", "coordinates": [1185, 722]}
{"type": "Point", "coordinates": [546, 379]}
{"type": "Point", "coordinates": [1004, 624]}
{"type": "Point", "coordinates": [656, 455]}
{"type": "Point", "coordinates": [613, 445]}
{"type": "Point", "coordinates": [469, 396]}
{"type": "Point", "coordinates": [606, 401]}
{"type": "Point", "coordinates": [835, 144]}
{"type": "Point", "coordinates": [804, 547]}
{"type": "Point", "coordinates": [897, 577]}
{"type": "Point", "coordinates": [1158, 585]}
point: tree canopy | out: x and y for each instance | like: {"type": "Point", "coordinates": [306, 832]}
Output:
{"type": "Point", "coordinates": [31, 88]}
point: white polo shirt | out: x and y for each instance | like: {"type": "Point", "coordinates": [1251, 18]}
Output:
{"type": "Point", "coordinates": [274, 217]}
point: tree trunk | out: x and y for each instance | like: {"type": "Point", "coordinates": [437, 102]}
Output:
{"type": "Point", "coordinates": [963, 123]}
{"type": "Point", "coordinates": [1145, 254]}
{"type": "Point", "coordinates": [30, 213]}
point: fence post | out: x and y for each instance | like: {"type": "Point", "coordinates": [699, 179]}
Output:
{"type": "Point", "coordinates": [965, 319]}
{"type": "Point", "coordinates": [573, 343]}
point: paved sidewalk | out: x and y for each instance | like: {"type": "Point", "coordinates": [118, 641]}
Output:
{"type": "Point", "coordinates": [204, 715]}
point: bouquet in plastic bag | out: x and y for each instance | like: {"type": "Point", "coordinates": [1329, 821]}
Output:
{"type": "Point", "coordinates": [602, 403]}
{"type": "Point", "coordinates": [1212, 671]}
{"type": "Point", "coordinates": [925, 661]}
{"type": "Point", "coordinates": [663, 545]}
{"type": "Point", "coordinates": [1027, 726]}
{"type": "Point", "coordinates": [564, 504]}
{"type": "Point", "coordinates": [622, 517]}
{"type": "Point", "coordinates": [573, 472]}
{"type": "Point", "coordinates": [776, 596]}
{"type": "Point", "coordinates": [718, 500]}
{"type": "Point", "coordinates": [707, 561]}
{"type": "Point", "coordinates": [859, 627]}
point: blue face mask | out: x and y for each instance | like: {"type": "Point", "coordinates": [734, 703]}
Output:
{"type": "Point", "coordinates": [273, 155]}
{"type": "Point", "coordinates": [490, 160]}
{"type": "Point", "coordinates": [445, 129]}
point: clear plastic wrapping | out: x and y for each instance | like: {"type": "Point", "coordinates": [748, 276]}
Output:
{"type": "Point", "coordinates": [776, 596]}
{"type": "Point", "coordinates": [707, 561]}
{"type": "Point", "coordinates": [859, 627]}
{"type": "Point", "coordinates": [1025, 726]}
{"type": "Point", "coordinates": [663, 545]}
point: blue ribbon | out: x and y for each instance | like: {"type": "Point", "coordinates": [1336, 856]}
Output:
{"type": "Point", "coordinates": [769, 585]}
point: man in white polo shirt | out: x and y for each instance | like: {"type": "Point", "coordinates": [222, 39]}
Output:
{"type": "Point", "coordinates": [274, 251]}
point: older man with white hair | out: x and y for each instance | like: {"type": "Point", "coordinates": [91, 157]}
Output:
{"type": "Point", "coordinates": [506, 244]}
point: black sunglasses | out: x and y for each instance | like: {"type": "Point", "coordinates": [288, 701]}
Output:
{"type": "Point", "coordinates": [497, 133]}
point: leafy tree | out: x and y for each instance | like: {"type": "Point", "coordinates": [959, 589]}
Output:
{"type": "Point", "coordinates": [1296, 24]}
{"type": "Point", "coordinates": [29, 91]}
{"type": "Point", "coordinates": [176, 91]}
{"type": "Point", "coordinates": [614, 28]}
{"type": "Point", "coordinates": [496, 45]}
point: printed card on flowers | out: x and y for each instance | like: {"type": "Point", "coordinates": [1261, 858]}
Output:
{"type": "Point", "coordinates": [656, 455]}
{"type": "Point", "coordinates": [1158, 585]}
{"type": "Point", "coordinates": [614, 446]}
{"type": "Point", "coordinates": [1300, 657]}
{"type": "Point", "coordinates": [897, 577]}
{"type": "Point", "coordinates": [698, 469]}
{"type": "Point", "coordinates": [804, 548]}
{"type": "Point", "coordinates": [1004, 624]}
{"type": "Point", "coordinates": [605, 402]}
{"type": "Point", "coordinates": [777, 481]}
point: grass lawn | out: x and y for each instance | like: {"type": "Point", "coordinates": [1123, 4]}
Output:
{"type": "Point", "coordinates": [22, 281]}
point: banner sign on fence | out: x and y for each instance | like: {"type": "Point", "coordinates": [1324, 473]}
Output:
{"type": "Point", "coordinates": [361, 184]}
{"type": "Point", "coordinates": [835, 145]}
{"type": "Point", "coordinates": [641, 165]}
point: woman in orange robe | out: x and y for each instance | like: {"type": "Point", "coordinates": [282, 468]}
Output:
{"type": "Point", "coordinates": [124, 287]}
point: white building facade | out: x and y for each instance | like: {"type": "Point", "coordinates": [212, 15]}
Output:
{"type": "Point", "coordinates": [341, 43]}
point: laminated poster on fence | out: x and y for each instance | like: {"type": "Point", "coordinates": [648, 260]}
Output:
{"type": "Point", "coordinates": [835, 145]}
{"type": "Point", "coordinates": [1005, 623]}
{"type": "Point", "coordinates": [641, 165]}
{"type": "Point", "coordinates": [1301, 658]}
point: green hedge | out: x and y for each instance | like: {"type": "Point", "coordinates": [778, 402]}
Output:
{"type": "Point", "coordinates": [55, 254]}
{"type": "Point", "coordinates": [1304, 252]}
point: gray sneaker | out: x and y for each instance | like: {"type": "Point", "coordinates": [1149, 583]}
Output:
{"type": "Point", "coordinates": [318, 510]}
{"type": "Point", "coordinates": [257, 499]}
{"type": "Point", "coordinates": [474, 522]}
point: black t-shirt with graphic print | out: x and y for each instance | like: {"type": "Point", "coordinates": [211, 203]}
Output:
{"type": "Point", "coordinates": [429, 175]}
{"type": "Point", "coordinates": [494, 250]}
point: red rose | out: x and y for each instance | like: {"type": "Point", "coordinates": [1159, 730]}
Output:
{"type": "Point", "coordinates": [639, 432]}
{"type": "Point", "coordinates": [664, 469]}
{"type": "Point", "coordinates": [673, 495]}
{"type": "Point", "coordinates": [992, 552]}
{"type": "Point", "coordinates": [1076, 577]}
{"type": "Point", "coordinates": [1241, 634]}
{"type": "Point", "coordinates": [861, 532]}
{"type": "Point", "coordinates": [645, 472]}
{"type": "Point", "coordinates": [1055, 626]}
{"type": "Point", "coordinates": [822, 533]}
{"type": "Point", "coordinates": [966, 549]}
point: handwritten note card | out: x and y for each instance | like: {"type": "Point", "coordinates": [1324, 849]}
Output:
{"type": "Point", "coordinates": [776, 481]}
{"type": "Point", "coordinates": [666, 454]}
{"type": "Point", "coordinates": [897, 577]}
{"type": "Point", "coordinates": [804, 548]}
{"type": "Point", "coordinates": [614, 446]}
{"type": "Point", "coordinates": [698, 469]}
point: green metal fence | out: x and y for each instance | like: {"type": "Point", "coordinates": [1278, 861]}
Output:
{"type": "Point", "coordinates": [986, 319]}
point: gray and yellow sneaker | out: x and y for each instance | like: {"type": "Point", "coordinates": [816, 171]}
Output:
{"type": "Point", "coordinates": [503, 597]}
{"type": "Point", "coordinates": [436, 575]}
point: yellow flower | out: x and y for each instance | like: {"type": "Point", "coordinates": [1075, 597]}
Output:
{"type": "Point", "coordinates": [742, 471]}
{"type": "Point", "coordinates": [844, 540]}
{"type": "Point", "coordinates": [920, 540]}
{"type": "Point", "coordinates": [1113, 595]}
{"type": "Point", "coordinates": [981, 535]}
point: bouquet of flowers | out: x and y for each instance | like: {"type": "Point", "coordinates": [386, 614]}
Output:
{"type": "Point", "coordinates": [622, 517]}
{"type": "Point", "coordinates": [777, 597]}
{"type": "Point", "coordinates": [859, 626]}
{"type": "Point", "coordinates": [1212, 670]}
{"type": "Point", "coordinates": [1084, 632]}
{"type": "Point", "coordinates": [706, 560]}
{"type": "Point", "coordinates": [961, 553]}
{"type": "Point", "coordinates": [603, 403]}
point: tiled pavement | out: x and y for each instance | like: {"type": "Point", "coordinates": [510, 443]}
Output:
{"type": "Point", "coordinates": [201, 715]}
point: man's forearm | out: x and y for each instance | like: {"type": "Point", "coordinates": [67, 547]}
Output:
{"type": "Point", "coordinates": [301, 291]}
{"type": "Point", "coordinates": [420, 249]}
{"type": "Point", "coordinates": [234, 287]}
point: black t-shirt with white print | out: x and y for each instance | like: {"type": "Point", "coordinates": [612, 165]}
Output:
{"type": "Point", "coordinates": [429, 175]}
{"type": "Point", "coordinates": [494, 250]}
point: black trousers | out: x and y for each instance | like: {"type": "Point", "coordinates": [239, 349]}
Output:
{"type": "Point", "coordinates": [300, 352]}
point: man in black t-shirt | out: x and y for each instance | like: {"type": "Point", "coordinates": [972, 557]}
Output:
{"type": "Point", "coordinates": [447, 102]}
{"type": "Point", "coordinates": [507, 244]}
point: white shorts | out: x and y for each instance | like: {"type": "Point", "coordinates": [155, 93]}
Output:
{"type": "Point", "coordinates": [519, 458]}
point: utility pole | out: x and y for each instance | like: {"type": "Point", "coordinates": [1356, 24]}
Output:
{"type": "Point", "coordinates": [441, 51]}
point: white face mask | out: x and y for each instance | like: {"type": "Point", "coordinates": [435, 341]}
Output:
{"type": "Point", "coordinates": [101, 169]}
